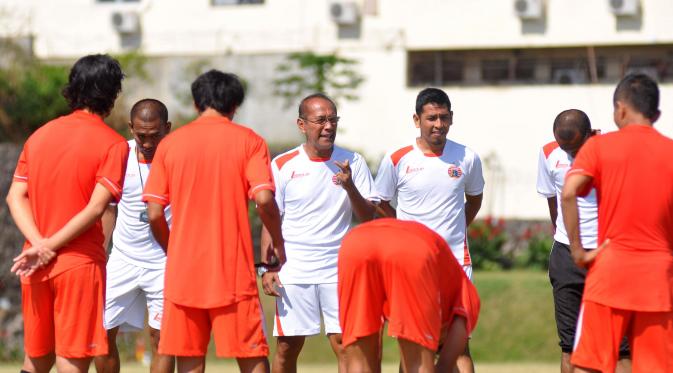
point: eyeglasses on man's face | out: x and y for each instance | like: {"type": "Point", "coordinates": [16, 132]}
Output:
{"type": "Point", "coordinates": [323, 120]}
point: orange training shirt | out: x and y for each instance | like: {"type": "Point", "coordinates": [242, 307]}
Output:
{"type": "Point", "coordinates": [632, 171]}
{"type": "Point", "coordinates": [62, 162]}
{"type": "Point", "coordinates": [206, 170]}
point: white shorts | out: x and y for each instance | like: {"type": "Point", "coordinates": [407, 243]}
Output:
{"type": "Point", "coordinates": [129, 291]}
{"type": "Point", "coordinates": [299, 307]}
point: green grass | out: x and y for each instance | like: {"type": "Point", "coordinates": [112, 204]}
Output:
{"type": "Point", "coordinates": [230, 367]}
{"type": "Point", "coordinates": [516, 325]}
{"type": "Point", "coordinates": [516, 322]}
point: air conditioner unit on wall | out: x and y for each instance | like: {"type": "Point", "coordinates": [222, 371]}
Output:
{"type": "Point", "coordinates": [529, 9]}
{"type": "Point", "coordinates": [126, 22]}
{"type": "Point", "coordinates": [344, 13]}
{"type": "Point", "coordinates": [624, 7]}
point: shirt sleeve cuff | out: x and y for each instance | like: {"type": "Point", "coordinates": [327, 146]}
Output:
{"type": "Point", "coordinates": [112, 187]}
{"type": "Point", "coordinates": [260, 187]}
{"type": "Point", "coordinates": [154, 198]}
{"type": "Point", "coordinates": [21, 179]}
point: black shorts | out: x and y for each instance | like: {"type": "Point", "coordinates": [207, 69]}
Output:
{"type": "Point", "coordinates": [567, 281]}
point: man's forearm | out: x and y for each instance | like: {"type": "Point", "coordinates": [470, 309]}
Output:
{"type": "Point", "coordinates": [108, 220]}
{"type": "Point", "coordinates": [158, 224]}
{"type": "Point", "coordinates": [362, 208]}
{"type": "Point", "coordinates": [270, 217]}
{"type": "Point", "coordinates": [571, 217]}
{"type": "Point", "coordinates": [472, 206]}
{"type": "Point", "coordinates": [552, 203]}
{"type": "Point", "coordinates": [78, 224]}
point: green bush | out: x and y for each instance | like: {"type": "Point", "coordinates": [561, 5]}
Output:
{"type": "Point", "coordinates": [29, 97]}
{"type": "Point", "coordinates": [486, 239]}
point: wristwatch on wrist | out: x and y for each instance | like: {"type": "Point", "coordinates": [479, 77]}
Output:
{"type": "Point", "coordinates": [261, 270]}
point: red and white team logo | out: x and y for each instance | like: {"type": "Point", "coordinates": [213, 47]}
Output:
{"type": "Point", "coordinates": [455, 171]}
{"type": "Point", "coordinates": [336, 180]}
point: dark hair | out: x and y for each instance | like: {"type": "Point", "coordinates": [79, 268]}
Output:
{"type": "Point", "coordinates": [641, 93]}
{"type": "Point", "coordinates": [571, 121]}
{"type": "Point", "coordinates": [432, 96]}
{"type": "Point", "coordinates": [312, 96]}
{"type": "Point", "coordinates": [156, 106]}
{"type": "Point", "coordinates": [94, 83]}
{"type": "Point", "coordinates": [217, 90]}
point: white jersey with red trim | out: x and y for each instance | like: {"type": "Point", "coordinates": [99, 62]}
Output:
{"type": "Point", "coordinates": [132, 238]}
{"type": "Point", "coordinates": [431, 189]}
{"type": "Point", "coordinates": [316, 211]}
{"type": "Point", "coordinates": [553, 165]}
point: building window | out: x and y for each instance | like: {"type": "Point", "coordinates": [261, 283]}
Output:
{"type": "Point", "coordinates": [236, 2]}
{"type": "Point", "coordinates": [493, 71]}
{"type": "Point", "coordinates": [563, 66]}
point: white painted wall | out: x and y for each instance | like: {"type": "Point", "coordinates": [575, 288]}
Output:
{"type": "Point", "coordinates": [504, 123]}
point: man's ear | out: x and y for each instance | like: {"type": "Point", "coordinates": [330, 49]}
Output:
{"type": "Point", "coordinates": [130, 124]}
{"type": "Point", "coordinates": [417, 121]}
{"type": "Point", "coordinates": [301, 125]}
{"type": "Point", "coordinates": [168, 126]}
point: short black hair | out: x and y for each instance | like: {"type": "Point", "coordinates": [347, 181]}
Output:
{"type": "Point", "coordinates": [94, 84]}
{"type": "Point", "coordinates": [570, 122]}
{"type": "Point", "coordinates": [219, 91]}
{"type": "Point", "coordinates": [312, 96]}
{"type": "Point", "coordinates": [155, 105]}
{"type": "Point", "coordinates": [641, 93]}
{"type": "Point", "coordinates": [432, 96]}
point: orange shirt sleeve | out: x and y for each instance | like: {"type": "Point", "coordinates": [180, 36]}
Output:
{"type": "Point", "coordinates": [156, 190]}
{"type": "Point", "coordinates": [111, 172]}
{"type": "Point", "coordinates": [21, 172]}
{"type": "Point", "coordinates": [258, 169]}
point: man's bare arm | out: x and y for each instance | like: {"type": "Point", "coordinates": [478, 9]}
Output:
{"type": "Point", "coordinates": [158, 224]}
{"type": "Point", "coordinates": [553, 210]}
{"type": "Point", "coordinates": [270, 216]}
{"type": "Point", "coordinates": [108, 220]}
{"type": "Point", "coordinates": [472, 206]}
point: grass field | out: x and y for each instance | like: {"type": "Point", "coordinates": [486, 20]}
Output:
{"type": "Point", "coordinates": [515, 334]}
{"type": "Point", "coordinates": [229, 367]}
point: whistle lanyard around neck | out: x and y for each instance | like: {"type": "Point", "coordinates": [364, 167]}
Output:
{"type": "Point", "coordinates": [140, 174]}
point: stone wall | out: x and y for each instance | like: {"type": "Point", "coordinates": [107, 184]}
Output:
{"type": "Point", "coordinates": [11, 240]}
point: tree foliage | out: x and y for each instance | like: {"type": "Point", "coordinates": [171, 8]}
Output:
{"type": "Point", "coordinates": [30, 95]}
{"type": "Point", "coordinates": [307, 72]}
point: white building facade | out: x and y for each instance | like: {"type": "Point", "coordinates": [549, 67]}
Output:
{"type": "Point", "coordinates": [509, 66]}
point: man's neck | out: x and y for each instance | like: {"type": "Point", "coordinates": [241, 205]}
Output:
{"type": "Point", "coordinates": [210, 112]}
{"type": "Point", "coordinates": [430, 148]}
{"type": "Point", "coordinates": [313, 152]}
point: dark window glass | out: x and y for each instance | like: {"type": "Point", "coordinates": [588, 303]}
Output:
{"type": "Point", "coordinates": [495, 70]}
{"type": "Point", "coordinates": [524, 69]}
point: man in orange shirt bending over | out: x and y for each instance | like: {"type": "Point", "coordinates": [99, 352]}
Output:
{"type": "Point", "coordinates": [629, 285]}
{"type": "Point", "coordinates": [404, 272]}
{"type": "Point", "coordinates": [68, 172]}
{"type": "Point", "coordinates": [207, 170]}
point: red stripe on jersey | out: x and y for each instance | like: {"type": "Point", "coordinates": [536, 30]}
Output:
{"type": "Point", "coordinates": [285, 158]}
{"type": "Point", "coordinates": [279, 328]}
{"type": "Point", "coordinates": [547, 149]}
{"type": "Point", "coordinates": [467, 260]}
{"type": "Point", "coordinates": [397, 156]}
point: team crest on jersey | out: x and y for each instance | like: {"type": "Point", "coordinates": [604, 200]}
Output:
{"type": "Point", "coordinates": [336, 180]}
{"type": "Point", "coordinates": [455, 171]}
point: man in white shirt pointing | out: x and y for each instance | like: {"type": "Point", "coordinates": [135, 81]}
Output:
{"type": "Point", "coordinates": [319, 186]}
